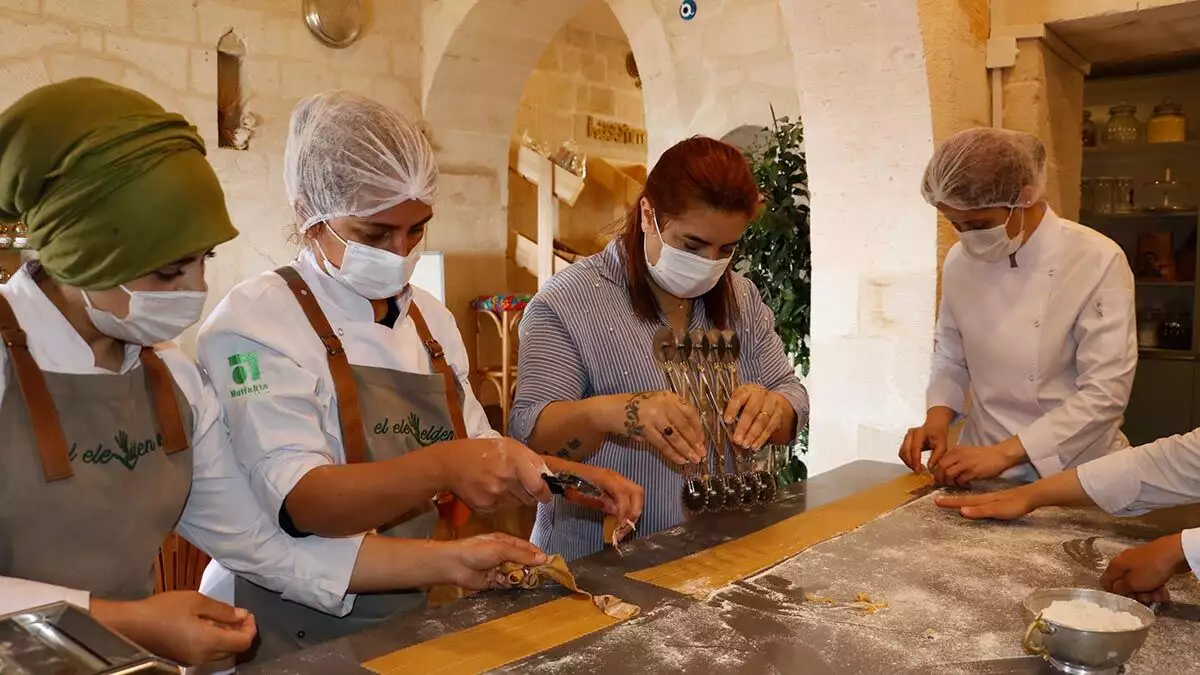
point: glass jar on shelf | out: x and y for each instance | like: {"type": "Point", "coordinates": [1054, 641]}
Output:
{"type": "Point", "coordinates": [5, 275]}
{"type": "Point", "coordinates": [1147, 327]}
{"type": "Point", "coordinates": [1122, 195]}
{"type": "Point", "coordinates": [1102, 203]}
{"type": "Point", "coordinates": [6, 240]}
{"type": "Point", "coordinates": [1087, 195]}
{"type": "Point", "coordinates": [1123, 128]}
{"type": "Point", "coordinates": [1168, 124]}
{"type": "Point", "coordinates": [1089, 130]}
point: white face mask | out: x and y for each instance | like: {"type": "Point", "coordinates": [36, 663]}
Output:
{"type": "Point", "coordinates": [153, 317]}
{"type": "Point", "coordinates": [373, 272]}
{"type": "Point", "coordinates": [993, 244]}
{"type": "Point", "coordinates": [683, 274]}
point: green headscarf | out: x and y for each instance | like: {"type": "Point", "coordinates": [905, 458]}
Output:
{"type": "Point", "coordinates": [110, 185]}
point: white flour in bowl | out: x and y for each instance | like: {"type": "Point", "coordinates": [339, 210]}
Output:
{"type": "Point", "coordinates": [1085, 615]}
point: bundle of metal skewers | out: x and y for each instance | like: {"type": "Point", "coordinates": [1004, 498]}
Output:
{"type": "Point", "coordinates": [702, 368]}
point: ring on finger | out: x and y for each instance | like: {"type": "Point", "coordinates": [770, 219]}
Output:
{"type": "Point", "coordinates": [668, 431]}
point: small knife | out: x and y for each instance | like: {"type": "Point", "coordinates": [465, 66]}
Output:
{"type": "Point", "coordinates": [575, 489]}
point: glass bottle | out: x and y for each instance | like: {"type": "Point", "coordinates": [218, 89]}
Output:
{"type": "Point", "coordinates": [1168, 124]}
{"type": "Point", "coordinates": [6, 236]}
{"type": "Point", "coordinates": [20, 236]}
{"type": "Point", "coordinates": [1087, 195]}
{"type": "Point", "coordinates": [1089, 130]}
{"type": "Point", "coordinates": [1123, 128]}
{"type": "Point", "coordinates": [1103, 202]}
{"type": "Point", "coordinates": [1122, 195]}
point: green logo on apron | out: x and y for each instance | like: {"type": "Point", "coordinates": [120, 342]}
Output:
{"type": "Point", "coordinates": [411, 427]}
{"type": "Point", "coordinates": [127, 452]}
{"type": "Point", "coordinates": [243, 370]}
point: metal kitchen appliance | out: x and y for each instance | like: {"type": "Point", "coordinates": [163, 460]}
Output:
{"type": "Point", "coordinates": [61, 639]}
{"type": "Point", "coordinates": [1083, 652]}
{"type": "Point", "coordinates": [702, 368]}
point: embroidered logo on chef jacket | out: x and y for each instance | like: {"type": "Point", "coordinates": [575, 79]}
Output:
{"type": "Point", "coordinates": [244, 371]}
{"type": "Point", "coordinates": [411, 427]}
{"type": "Point", "coordinates": [127, 453]}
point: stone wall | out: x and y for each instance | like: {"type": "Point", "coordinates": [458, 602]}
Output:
{"type": "Point", "coordinates": [581, 72]}
{"type": "Point", "coordinates": [167, 50]}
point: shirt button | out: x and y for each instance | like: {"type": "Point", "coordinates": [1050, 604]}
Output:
{"type": "Point", "coordinates": [1032, 378]}
{"type": "Point", "coordinates": [1037, 324]}
{"type": "Point", "coordinates": [300, 635]}
{"type": "Point", "coordinates": [1051, 272]}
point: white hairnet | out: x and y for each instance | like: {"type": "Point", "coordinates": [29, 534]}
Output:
{"type": "Point", "coordinates": [986, 168]}
{"type": "Point", "coordinates": [347, 155]}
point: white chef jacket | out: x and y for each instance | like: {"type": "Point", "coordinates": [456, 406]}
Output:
{"type": "Point", "coordinates": [283, 416]}
{"type": "Point", "coordinates": [221, 516]}
{"type": "Point", "coordinates": [1047, 349]}
{"type": "Point", "coordinates": [1163, 473]}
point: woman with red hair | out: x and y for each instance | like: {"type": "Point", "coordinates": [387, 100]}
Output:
{"type": "Point", "coordinates": [590, 388]}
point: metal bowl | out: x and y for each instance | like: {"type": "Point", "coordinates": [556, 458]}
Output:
{"type": "Point", "coordinates": [1083, 652]}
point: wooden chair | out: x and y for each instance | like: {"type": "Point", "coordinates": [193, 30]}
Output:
{"type": "Point", "coordinates": [179, 565]}
{"type": "Point", "coordinates": [505, 312]}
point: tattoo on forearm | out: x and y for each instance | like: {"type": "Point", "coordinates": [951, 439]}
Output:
{"type": "Point", "coordinates": [633, 416]}
{"type": "Point", "coordinates": [568, 450]}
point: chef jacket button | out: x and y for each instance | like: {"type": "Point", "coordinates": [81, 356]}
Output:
{"type": "Point", "coordinates": [1051, 272]}
{"type": "Point", "coordinates": [1037, 324]}
{"type": "Point", "coordinates": [1032, 378]}
{"type": "Point", "coordinates": [300, 635]}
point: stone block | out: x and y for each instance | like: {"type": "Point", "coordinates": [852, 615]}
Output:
{"type": "Point", "coordinates": [30, 6]}
{"type": "Point", "coordinates": [276, 38]}
{"type": "Point", "coordinates": [68, 65]}
{"type": "Point", "coordinates": [25, 35]}
{"type": "Point", "coordinates": [201, 111]}
{"type": "Point", "coordinates": [218, 18]}
{"type": "Point", "coordinates": [595, 68]}
{"type": "Point", "coordinates": [301, 79]}
{"type": "Point", "coordinates": [262, 77]}
{"type": "Point", "coordinates": [204, 71]}
{"type": "Point", "coordinates": [91, 39]}
{"type": "Point", "coordinates": [112, 14]}
{"type": "Point", "coordinates": [630, 108]}
{"type": "Point", "coordinates": [550, 60]}
{"type": "Point", "coordinates": [356, 82]}
{"type": "Point", "coordinates": [149, 84]}
{"type": "Point", "coordinates": [369, 55]}
{"type": "Point", "coordinates": [20, 78]}
{"type": "Point", "coordinates": [398, 94]}
{"type": "Point", "coordinates": [166, 61]}
{"type": "Point", "coordinates": [561, 93]}
{"type": "Point", "coordinates": [406, 58]}
{"type": "Point", "coordinates": [571, 58]}
{"type": "Point", "coordinates": [175, 19]}
{"type": "Point", "coordinates": [582, 39]}
{"type": "Point", "coordinates": [602, 101]}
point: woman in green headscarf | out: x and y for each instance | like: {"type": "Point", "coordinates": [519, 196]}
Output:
{"type": "Point", "coordinates": [108, 442]}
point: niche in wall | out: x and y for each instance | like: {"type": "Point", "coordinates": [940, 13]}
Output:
{"type": "Point", "coordinates": [234, 132]}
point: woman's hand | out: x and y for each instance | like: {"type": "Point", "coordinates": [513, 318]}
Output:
{"type": "Point", "coordinates": [932, 436]}
{"type": "Point", "coordinates": [468, 563]}
{"type": "Point", "coordinates": [668, 423]}
{"type": "Point", "coordinates": [759, 413]}
{"type": "Point", "coordinates": [624, 498]}
{"type": "Point", "coordinates": [1142, 572]}
{"type": "Point", "coordinates": [1002, 505]}
{"type": "Point", "coordinates": [963, 464]}
{"type": "Point", "coordinates": [183, 626]}
{"type": "Point", "coordinates": [487, 473]}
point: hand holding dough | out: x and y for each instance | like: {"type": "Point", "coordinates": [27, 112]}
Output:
{"type": "Point", "coordinates": [512, 575]}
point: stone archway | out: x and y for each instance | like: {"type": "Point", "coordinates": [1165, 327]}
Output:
{"type": "Point", "coordinates": [478, 56]}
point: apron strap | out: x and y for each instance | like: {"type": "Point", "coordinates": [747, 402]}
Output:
{"type": "Point", "coordinates": [452, 512]}
{"type": "Point", "coordinates": [166, 404]}
{"type": "Point", "coordinates": [43, 417]}
{"type": "Point", "coordinates": [438, 359]}
{"type": "Point", "coordinates": [354, 442]}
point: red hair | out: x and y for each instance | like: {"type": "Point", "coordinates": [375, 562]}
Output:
{"type": "Point", "coordinates": [698, 173]}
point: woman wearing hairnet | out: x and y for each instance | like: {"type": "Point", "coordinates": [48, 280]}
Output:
{"type": "Point", "coordinates": [110, 442]}
{"type": "Point", "coordinates": [346, 391]}
{"type": "Point", "coordinates": [1036, 322]}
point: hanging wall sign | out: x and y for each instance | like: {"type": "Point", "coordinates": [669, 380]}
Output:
{"type": "Point", "coordinates": [614, 132]}
{"type": "Point", "coordinates": [687, 10]}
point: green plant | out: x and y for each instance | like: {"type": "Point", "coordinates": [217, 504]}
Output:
{"type": "Point", "coordinates": [775, 253]}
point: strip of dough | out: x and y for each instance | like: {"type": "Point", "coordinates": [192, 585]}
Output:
{"type": "Point", "coordinates": [512, 575]}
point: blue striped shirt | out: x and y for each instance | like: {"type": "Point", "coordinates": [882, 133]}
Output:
{"type": "Point", "coordinates": [579, 338]}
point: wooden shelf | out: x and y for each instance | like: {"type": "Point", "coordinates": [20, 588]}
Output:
{"type": "Point", "coordinates": [1164, 284]}
{"type": "Point", "coordinates": [1139, 216]}
{"type": "Point", "coordinates": [1167, 354]}
{"type": "Point", "coordinates": [1139, 151]}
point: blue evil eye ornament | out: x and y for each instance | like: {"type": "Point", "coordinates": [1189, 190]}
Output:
{"type": "Point", "coordinates": [687, 10]}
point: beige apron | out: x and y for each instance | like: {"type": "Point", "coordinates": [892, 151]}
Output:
{"type": "Point", "coordinates": [97, 469]}
{"type": "Point", "coordinates": [382, 414]}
